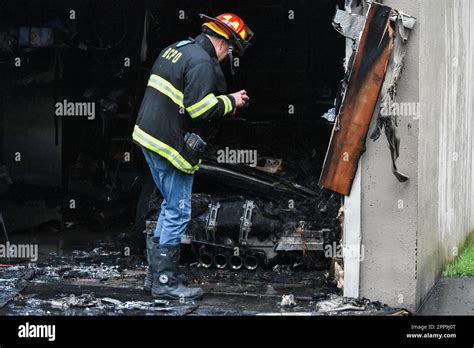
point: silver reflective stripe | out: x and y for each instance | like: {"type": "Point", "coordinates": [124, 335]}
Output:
{"type": "Point", "coordinates": [202, 106]}
{"type": "Point", "coordinates": [164, 150]}
{"type": "Point", "coordinates": [166, 88]}
{"type": "Point", "coordinates": [227, 103]}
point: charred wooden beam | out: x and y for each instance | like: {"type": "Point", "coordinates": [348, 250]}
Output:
{"type": "Point", "coordinates": [364, 85]}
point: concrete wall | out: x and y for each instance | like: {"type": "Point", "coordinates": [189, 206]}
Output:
{"type": "Point", "coordinates": [446, 198]}
{"type": "Point", "coordinates": [409, 230]}
{"type": "Point", "coordinates": [389, 212]}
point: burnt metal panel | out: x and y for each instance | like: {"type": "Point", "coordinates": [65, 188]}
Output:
{"type": "Point", "coordinates": [360, 100]}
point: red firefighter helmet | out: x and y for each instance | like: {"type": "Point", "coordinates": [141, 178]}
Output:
{"type": "Point", "coordinates": [232, 28]}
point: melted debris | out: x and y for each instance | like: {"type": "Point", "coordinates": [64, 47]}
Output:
{"type": "Point", "coordinates": [103, 281]}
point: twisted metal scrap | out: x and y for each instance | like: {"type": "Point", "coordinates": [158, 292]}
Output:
{"type": "Point", "coordinates": [387, 118]}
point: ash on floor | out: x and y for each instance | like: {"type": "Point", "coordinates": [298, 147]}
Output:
{"type": "Point", "coordinates": [100, 278]}
{"type": "Point", "coordinates": [104, 281]}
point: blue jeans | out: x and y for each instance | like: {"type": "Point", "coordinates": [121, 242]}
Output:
{"type": "Point", "coordinates": [176, 188]}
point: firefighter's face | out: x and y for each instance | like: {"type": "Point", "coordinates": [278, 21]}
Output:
{"type": "Point", "coordinates": [222, 49]}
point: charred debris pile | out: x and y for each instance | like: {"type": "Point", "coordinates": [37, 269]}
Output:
{"type": "Point", "coordinates": [244, 217]}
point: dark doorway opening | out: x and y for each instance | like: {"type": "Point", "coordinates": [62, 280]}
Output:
{"type": "Point", "coordinates": [73, 170]}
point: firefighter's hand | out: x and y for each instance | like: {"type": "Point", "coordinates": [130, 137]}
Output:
{"type": "Point", "coordinates": [241, 98]}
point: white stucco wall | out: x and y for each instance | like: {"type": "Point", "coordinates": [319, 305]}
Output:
{"type": "Point", "coordinates": [410, 230]}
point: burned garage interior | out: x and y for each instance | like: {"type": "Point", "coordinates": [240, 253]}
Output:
{"type": "Point", "coordinates": [165, 158]}
{"type": "Point", "coordinates": [81, 190]}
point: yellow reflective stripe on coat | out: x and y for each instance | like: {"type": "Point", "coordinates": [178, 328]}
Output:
{"type": "Point", "coordinates": [227, 103]}
{"type": "Point", "coordinates": [164, 150]}
{"type": "Point", "coordinates": [202, 106]}
{"type": "Point", "coordinates": [196, 110]}
{"type": "Point", "coordinates": [165, 87]}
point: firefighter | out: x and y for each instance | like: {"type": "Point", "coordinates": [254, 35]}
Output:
{"type": "Point", "coordinates": [186, 84]}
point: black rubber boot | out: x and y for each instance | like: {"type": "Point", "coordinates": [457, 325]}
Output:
{"type": "Point", "coordinates": [166, 283]}
{"type": "Point", "coordinates": [151, 247]}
